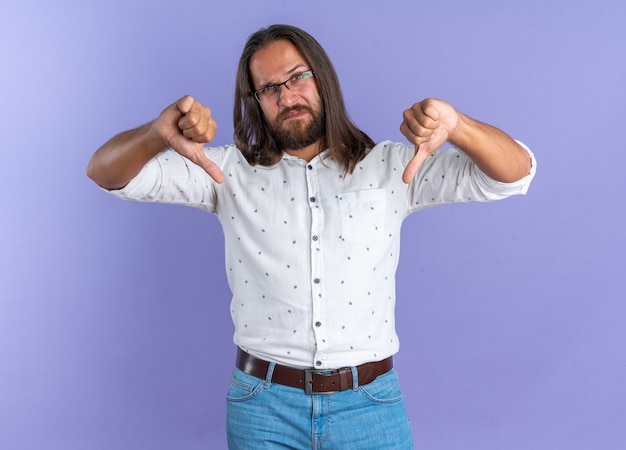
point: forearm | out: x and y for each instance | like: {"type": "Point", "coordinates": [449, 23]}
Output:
{"type": "Point", "coordinates": [121, 158]}
{"type": "Point", "coordinates": [494, 152]}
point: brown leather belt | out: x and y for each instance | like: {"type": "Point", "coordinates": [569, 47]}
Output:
{"type": "Point", "coordinates": [313, 381]}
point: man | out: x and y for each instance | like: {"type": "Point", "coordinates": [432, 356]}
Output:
{"type": "Point", "coordinates": [311, 210]}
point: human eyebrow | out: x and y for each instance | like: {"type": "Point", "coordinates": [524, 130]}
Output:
{"type": "Point", "coordinates": [289, 74]}
{"type": "Point", "coordinates": [295, 68]}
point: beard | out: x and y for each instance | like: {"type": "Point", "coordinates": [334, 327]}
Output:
{"type": "Point", "coordinates": [298, 134]}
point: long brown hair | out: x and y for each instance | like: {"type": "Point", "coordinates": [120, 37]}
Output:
{"type": "Point", "coordinates": [347, 144]}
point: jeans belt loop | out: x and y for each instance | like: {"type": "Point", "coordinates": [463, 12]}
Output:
{"type": "Point", "coordinates": [355, 378]}
{"type": "Point", "coordinates": [268, 376]}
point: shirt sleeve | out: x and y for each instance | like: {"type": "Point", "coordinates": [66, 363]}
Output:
{"type": "Point", "coordinates": [171, 178]}
{"type": "Point", "coordinates": [450, 176]}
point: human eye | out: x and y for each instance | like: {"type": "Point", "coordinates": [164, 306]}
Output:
{"type": "Point", "coordinates": [300, 76]}
{"type": "Point", "coordinates": [268, 89]}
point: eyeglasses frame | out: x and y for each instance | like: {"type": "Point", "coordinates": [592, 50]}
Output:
{"type": "Point", "coordinates": [301, 76]}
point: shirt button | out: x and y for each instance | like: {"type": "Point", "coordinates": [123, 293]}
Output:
{"type": "Point", "coordinates": [312, 199]}
{"type": "Point", "coordinates": [316, 281]}
{"type": "Point", "coordinates": [310, 167]}
{"type": "Point", "coordinates": [318, 324]}
{"type": "Point", "coordinates": [318, 363]}
{"type": "Point", "coordinates": [314, 238]}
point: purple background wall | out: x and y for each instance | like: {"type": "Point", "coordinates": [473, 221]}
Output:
{"type": "Point", "coordinates": [114, 323]}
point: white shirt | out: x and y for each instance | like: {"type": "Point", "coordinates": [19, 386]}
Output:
{"type": "Point", "coordinates": [311, 254]}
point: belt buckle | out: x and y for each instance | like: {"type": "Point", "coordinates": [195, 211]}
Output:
{"type": "Point", "coordinates": [308, 383]}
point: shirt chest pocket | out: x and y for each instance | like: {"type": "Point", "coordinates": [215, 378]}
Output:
{"type": "Point", "coordinates": [363, 215]}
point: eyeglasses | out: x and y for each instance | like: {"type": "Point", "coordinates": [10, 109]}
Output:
{"type": "Point", "coordinates": [271, 92]}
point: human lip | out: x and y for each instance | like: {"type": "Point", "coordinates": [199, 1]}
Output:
{"type": "Point", "coordinates": [294, 114]}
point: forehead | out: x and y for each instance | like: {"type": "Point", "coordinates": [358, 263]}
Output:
{"type": "Point", "coordinates": [274, 62]}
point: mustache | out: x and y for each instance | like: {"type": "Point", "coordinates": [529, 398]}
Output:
{"type": "Point", "coordinates": [284, 113]}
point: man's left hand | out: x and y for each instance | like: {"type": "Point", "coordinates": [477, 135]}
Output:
{"type": "Point", "coordinates": [427, 125]}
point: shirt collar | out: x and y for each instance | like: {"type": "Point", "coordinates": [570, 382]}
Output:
{"type": "Point", "coordinates": [322, 156]}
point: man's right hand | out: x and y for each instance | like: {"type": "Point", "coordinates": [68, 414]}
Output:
{"type": "Point", "coordinates": [186, 126]}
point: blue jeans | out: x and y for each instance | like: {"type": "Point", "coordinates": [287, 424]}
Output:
{"type": "Point", "coordinates": [266, 415]}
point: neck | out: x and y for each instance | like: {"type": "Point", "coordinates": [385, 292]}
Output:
{"type": "Point", "coordinates": [307, 153]}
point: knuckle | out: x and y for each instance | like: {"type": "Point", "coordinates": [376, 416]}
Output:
{"type": "Point", "coordinates": [194, 118]}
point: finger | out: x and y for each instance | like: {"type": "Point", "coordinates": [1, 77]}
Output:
{"type": "Point", "coordinates": [184, 104]}
{"type": "Point", "coordinates": [429, 109]}
{"type": "Point", "coordinates": [420, 123]}
{"type": "Point", "coordinates": [198, 124]}
{"type": "Point", "coordinates": [415, 137]}
{"type": "Point", "coordinates": [194, 115]}
{"type": "Point", "coordinates": [203, 132]}
{"type": "Point", "coordinates": [414, 165]}
{"type": "Point", "coordinates": [416, 127]}
{"type": "Point", "coordinates": [195, 152]}
{"type": "Point", "coordinates": [212, 169]}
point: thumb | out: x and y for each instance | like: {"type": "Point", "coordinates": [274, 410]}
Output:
{"type": "Point", "coordinates": [211, 168]}
{"type": "Point", "coordinates": [194, 151]}
{"type": "Point", "coordinates": [414, 165]}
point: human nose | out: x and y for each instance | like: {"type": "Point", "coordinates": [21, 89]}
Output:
{"type": "Point", "coordinates": [286, 96]}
